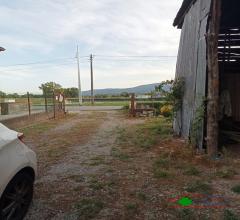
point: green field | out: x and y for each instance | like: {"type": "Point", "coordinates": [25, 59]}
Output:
{"type": "Point", "coordinates": [107, 103]}
{"type": "Point", "coordinates": [74, 102]}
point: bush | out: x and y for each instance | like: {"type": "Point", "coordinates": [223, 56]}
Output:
{"type": "Point", "coordinates": [126, 107]}
{"type": "Point", "coordinates": [157, 106]}
{"type": "Point", "coordinates": [166, 110]}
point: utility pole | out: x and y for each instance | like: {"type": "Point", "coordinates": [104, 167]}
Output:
{"type": "Point", "coordinates": [29, 104]}
{"type": "Point", "coordinates": [91, 67]}
{"type": "Point", "coordinates": [79, 80]}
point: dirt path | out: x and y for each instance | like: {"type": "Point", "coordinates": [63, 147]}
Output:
{"type": "Point", "coordinates": [105, 166]}
{"type": "Point", "coordinates": [59, 187]}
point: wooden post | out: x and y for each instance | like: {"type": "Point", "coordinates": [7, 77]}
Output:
{"type": "Point", "coordinates": [213, 79]}
{"type": "Point", "coordinates": [29, 104]}
{"type": "Point", "coordinates": [64, 105]}
{"type": "Point", "coordinates": [54, 106]}
{"type": "Point", "coordinates": [45, 100]}
{"type": "Point", "coordinates": [133, 112]}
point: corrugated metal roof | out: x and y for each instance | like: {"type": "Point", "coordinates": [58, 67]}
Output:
{"type": "Point", "coordinates": [186, 5]}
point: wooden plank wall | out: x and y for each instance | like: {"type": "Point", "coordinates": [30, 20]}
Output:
{"type": "Point", "coordinates": [192, 66]}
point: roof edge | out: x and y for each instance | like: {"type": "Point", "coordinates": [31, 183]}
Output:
{"type": "Point", "coordinates": [186, 5]}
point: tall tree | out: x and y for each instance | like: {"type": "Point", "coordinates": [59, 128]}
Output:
{"type": "Point", "coordinates": [49, 87]}
{"type": "Point", "coordinates": [2, 94]}
{"type": "Point", "coordinates": [71, 92]}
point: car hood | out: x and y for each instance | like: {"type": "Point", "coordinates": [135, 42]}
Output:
{"type": "Point", "coordinates": [6, 135]}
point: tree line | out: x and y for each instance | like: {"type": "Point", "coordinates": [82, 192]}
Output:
{"type": "Point", "coordinates": [48, 88]}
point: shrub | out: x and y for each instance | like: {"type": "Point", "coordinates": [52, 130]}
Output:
{"type": "Point", "coordinates": [166, 110]}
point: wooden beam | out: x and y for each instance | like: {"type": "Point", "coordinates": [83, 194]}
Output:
{"type": "Point", "coordinates": [231, 36]}
{"type": "Point", "coordinates": [232, 43]}
{"type": "Point", "coordinates": [229, 30]}
{"type": "Point", "coordinates": [229, 50]}
{"type": "Point", "coordinates": [213, 79]}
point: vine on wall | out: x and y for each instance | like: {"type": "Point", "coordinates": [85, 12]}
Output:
{"type": "Point", "coordinates": [197, 122]}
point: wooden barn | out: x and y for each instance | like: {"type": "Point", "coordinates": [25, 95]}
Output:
{"type": "Point", "coordinates": [209, 63]}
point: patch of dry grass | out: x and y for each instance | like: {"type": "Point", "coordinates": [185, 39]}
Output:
{"type": "Point", "coordinates": [145, 135]}
{"type": "Point", "coordinates": [146, 166]}
{"type": "Point", "coordinates": [51, 144]}
{"type": "Point", "coordinates": [88, 208]}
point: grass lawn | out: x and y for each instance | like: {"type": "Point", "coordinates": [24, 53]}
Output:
{"type": "Point", "coordinates": [172, 171]}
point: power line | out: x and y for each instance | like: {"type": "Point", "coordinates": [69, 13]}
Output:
{"type": "Point", "coordinates": [71, 58]}
{"type": "Point", "coordinates": [138, 56]}
{"type": "Point", "coordinates": [46, 65]}
{"type": "Point", "coordinates": [42, 67]}
{"type": "Point", "coordinates": [41, 62]}
{"type": "Point", "coordinates": [132, 60]}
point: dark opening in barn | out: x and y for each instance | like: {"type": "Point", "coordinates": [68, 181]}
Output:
{"type": "Point", "coordinates": [229, 70]}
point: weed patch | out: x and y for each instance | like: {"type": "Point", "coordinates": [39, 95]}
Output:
{"type": "Point", "coordinates": [142, 196]}
{"type": "Point", "coordinates": [111, 184]}
{"type": "Point", "coordinates": [96, 185]}
{"type": "Point", "coordinates": [162, 162]}
{"type": "Point", "coordinates": [88, 208]}
{"type": "Point", "coordinates": [236, 189]}
{"type": "Point", "coordinates": [96, 161]}
{"type": "Point", "coordinates": [192, 171]}
{"type": "Point", "coordinates": [199, 187]}
{"type": "Point", "coordinates": [161, 168]}
{"type": "Point", "coordinates": [38, 128]}
{"type": "Point", "coordinates": [160, 173]}
{"type": "Point", "coordinates": [185, 214]}
{"type": "Point", "coordinates": [229, 215]}
{"type": "Point", "coordinates": [226, 173]}
{"type": "Point", "coordinates": [115, 152]}
{"type": "Point", "coordinates": [145, 135]}
{"type": "Point", "coordinates": [131, 209]}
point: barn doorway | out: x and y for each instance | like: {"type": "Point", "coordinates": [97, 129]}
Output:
{"type": "Point", "coordinates": [229, 70]}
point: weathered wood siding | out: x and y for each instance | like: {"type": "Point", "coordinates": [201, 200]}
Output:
{"type": "Point", "coordinates": [192, 66]}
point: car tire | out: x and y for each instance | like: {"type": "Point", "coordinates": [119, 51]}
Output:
{"type": "Point", "coordinates": [17, 197]}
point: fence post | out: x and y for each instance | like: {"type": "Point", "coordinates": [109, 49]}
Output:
{"type": "Point", "coordinates": [45, 100]}
{"type": "Point", "coordinates": [29, 104]}
{"type": "Point", "coordinates": [54, 107]}
{"type": "Point", "coordinates": [64, 105]}
{"type": "Point", "coordinates": [133, 112]}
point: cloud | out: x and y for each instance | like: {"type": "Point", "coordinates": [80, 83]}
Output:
{"type": "Point", "coordinates": [33, 30]}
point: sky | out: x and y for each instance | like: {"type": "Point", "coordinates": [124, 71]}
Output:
{"type": "Point", "coordinates": [133, 42]}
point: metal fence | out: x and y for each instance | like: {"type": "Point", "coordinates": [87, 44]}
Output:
{"type": "Point", "coordinates": [52, 104]}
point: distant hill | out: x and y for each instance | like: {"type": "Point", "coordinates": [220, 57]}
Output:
{"type": "Point", "coordinates": [137, 90]}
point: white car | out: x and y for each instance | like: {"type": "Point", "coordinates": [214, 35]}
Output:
{"type": "Point", "coordinates": [18, 167]}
